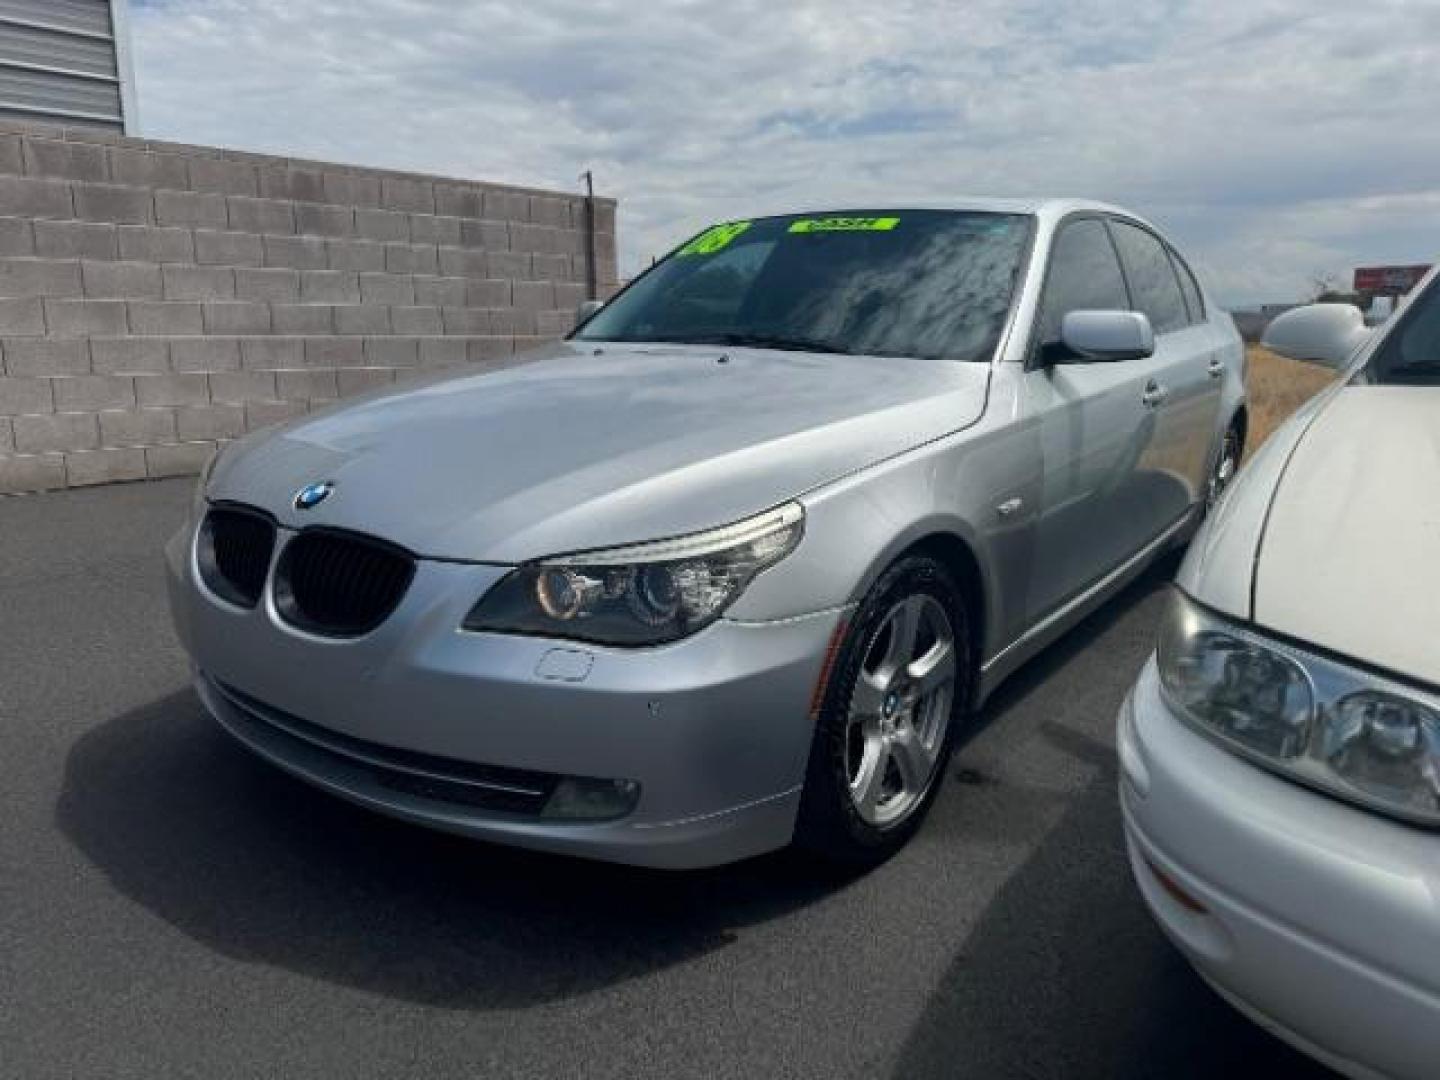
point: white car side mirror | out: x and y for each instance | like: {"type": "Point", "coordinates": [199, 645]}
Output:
{"type": "Point", "coordinates": [1325, 334]}
{"type": "Point", "coordinates": [1107, 335]}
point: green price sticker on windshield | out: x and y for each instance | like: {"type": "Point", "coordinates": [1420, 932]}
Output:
{"type": "Point", "coordinates": [845, 224]}
{"type": "Point", "coordinates": [716, 239]}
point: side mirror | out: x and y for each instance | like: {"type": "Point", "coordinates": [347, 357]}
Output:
{"type": "Point", "coordinates": [1090, 336]}
{"type": "Point", "coordinates": [586, 311]}
{"type": "Point", "coordinates": [1326, 334]}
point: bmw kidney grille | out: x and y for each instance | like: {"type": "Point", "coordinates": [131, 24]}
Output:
{"type": "Point", "coordinates": [234, 553]}
{"type": "Point", "coordinates": [340, 584]}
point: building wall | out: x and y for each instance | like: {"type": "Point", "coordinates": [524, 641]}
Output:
{"type": "Point", "coordinates": [66, 61]}
{"type": "Point", "coordinates": [158, 299]}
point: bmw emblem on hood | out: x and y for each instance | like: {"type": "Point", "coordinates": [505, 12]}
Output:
{"type": "Point", "coordinates": [312, 495]}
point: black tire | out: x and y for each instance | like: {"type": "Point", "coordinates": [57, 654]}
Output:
{"type": "Point", "coordinates": [1232, 448]}
{"type": "Point", "coordinates": [829, 825]}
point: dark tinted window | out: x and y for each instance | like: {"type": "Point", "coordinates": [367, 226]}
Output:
{"type": "Point", "coordinates": [1188, 286]}
{"type": "Point", "coordinates": [1410, 354]}
{"type": "Point", "coordinates": [1152, 278]}
{"type": "Point", "coordinates": [720, 284]}
{"type": "Point", "coordinates": [1084, 276]}
{"type": "Point", "coordinates": [873, 282]}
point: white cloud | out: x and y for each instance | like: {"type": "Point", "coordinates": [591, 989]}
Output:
{"type": "Point", "coordinates": [1272, 140]}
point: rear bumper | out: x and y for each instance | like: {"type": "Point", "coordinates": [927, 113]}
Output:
{"type": "Point", "coordinates": [1320, 921]}
{"type": "Point", "coordinates": [714, 729]}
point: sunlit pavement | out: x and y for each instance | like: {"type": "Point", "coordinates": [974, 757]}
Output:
{"type": "Point", "coordinates": [170, 906]}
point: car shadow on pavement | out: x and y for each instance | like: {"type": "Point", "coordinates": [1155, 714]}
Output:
{"type": "Point", "coordinates": [266, 870]}
{"type": "Point", "coordinates": [1032, 677]}
{"type": "Point", "coordinates": [1066, 975]}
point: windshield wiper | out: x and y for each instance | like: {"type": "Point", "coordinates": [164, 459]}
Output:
{"type": "Point", "coordinates": [770, 341]}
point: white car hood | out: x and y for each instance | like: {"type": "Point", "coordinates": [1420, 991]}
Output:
{"type": "Point", "coordinates": [1350, 555]}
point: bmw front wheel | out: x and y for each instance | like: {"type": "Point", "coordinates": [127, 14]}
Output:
{"type": "Point", "coordinates": [886, 727]}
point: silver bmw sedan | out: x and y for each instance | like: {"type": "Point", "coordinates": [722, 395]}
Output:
{"type": "Point", "coordinates": [727, 568]}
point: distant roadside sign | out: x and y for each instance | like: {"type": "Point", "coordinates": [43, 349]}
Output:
{"type": "Point", "coordinates": [1388, 279]}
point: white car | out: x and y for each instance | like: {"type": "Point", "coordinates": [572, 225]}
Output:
{"type": "Point", "coordinates": [1280, 753]}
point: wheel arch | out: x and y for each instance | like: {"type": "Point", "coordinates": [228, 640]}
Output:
{"type": "Point", "coordinates": [958, 554]}
{"type": "Point", "coordinates": [957, 557]}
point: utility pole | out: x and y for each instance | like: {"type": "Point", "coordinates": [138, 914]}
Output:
{"type": "Point", "coordinates": [592, 276]}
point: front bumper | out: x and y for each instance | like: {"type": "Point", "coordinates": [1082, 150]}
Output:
{"type": "Point", "coordinates": [1320, 921]}
{"type": "Point", "coordinates": [715, 729]}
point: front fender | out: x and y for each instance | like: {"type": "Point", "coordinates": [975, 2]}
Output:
{"type": "Point", "coordinates": [859, 525]}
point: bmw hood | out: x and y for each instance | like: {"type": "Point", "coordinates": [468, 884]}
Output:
{"type": "Point", "coordinates": [595, 446]}
{"type": "Point", "coordinates": [1350, 549]}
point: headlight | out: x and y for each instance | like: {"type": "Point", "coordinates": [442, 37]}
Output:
{"type": "Point", "coordinates": [1235, 687]}
{"type": "Point", "coordinates": [1387, 749]}
{"type": "Point", "coordinates": [639, 595]}
{"type": "Point", "coordinates": [1317, 720]}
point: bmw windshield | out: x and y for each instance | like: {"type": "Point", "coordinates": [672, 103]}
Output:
{"type": "Point", "coordinates": [922, 283]}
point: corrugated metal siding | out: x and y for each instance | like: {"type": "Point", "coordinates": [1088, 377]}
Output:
{"type": "Point", "coordinates": [58, 62]}
{"type": "Point", "coordinates": [77, 16]}
{"type": "Point", "coordinates": [46, 48]}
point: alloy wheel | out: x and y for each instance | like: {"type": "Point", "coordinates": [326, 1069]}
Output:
{"type": "Point", "coordinates": [900, 710]}
{"type": "Point", "coordinates": [1226, 465]}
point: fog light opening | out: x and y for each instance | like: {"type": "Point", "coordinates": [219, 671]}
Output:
{"type": "Point", "coordinates": [577, 798]}
{"type": "Point", "coordinates": [1176, 892]}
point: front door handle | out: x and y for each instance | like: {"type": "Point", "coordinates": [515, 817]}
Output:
{"type": "Point", "coordinates": [1216, 368]}
{"type": "Point", "coordinates": [1154, 394]}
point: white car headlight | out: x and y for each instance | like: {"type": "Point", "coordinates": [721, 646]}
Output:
{"type": "Point", "coordinates": [644, 594]}
{"type": "Point", "coordinates": [1235, 687]}
{"type": "Point", "coordinates": [1387, 748]}
{"type": "Point", "coordinates": [1353, 733]}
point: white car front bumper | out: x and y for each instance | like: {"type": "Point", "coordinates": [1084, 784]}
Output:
{"type": "Point", "coordinates": [1319, 920]}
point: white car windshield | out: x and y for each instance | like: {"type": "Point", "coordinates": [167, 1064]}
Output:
{"type": "Point", "coordinates": [1410, 354]}
{"type": "Point", "coordinates": [874, 282]}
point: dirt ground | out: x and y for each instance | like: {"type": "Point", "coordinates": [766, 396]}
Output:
{"type": "Point", "coordinates": [1277, 388]}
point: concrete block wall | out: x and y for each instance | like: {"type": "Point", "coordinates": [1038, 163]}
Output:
{"type": "Point", "coordinates": [158, 299]}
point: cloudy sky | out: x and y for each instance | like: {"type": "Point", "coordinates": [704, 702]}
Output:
{"type": "Point", "coordinates": [1275, 141]}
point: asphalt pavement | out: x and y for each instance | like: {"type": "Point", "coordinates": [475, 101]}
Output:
{"type": "Point", "coordinates": [172, 907]}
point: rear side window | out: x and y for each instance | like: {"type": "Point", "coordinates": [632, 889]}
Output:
{"type": "Point", "coordinates": [1084, 276]}
{"type": "Point", "coordinates": [1193, 300]}
{"type": "Point", "coordinates": [1152, 278]}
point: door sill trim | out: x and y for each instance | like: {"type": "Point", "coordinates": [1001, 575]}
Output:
{"type": "Point", "coordinates": [1086, 595]}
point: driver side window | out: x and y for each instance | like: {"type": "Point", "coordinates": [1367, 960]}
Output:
{"type": "Point", "coordinates": [1084, 276]}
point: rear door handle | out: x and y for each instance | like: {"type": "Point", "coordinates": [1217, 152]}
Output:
{"type": "Point", "coordinates": [1154, 394]}
{"type": "Point", "coordinates": [1216, 368]}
